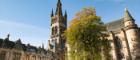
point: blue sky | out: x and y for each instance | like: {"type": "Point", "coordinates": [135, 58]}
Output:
{"type": "Point", "coordinates": [30, 19]}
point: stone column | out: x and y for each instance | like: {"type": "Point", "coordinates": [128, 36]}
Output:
{"type": "Point", "coordinates": [125, 46]}
{"type": "Point", "coordinates": [113, 51]}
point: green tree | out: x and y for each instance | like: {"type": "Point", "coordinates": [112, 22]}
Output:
{"type": "Point", "coordinates": [85, 36]}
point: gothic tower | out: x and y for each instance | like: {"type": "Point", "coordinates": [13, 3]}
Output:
{"type": "Point", "coordinates": [132, 34]}
{"type": "Point", "coordinates": [58, 26]}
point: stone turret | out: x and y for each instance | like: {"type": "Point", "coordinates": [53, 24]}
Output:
{"type": "Point", "coordinates": [65, 15]}
{"type": "Point", "coordinates": [128, 19]}
{"type": "Point", "coordinates": [132, 35]}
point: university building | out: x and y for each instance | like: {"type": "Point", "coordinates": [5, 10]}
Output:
{"type": "Point", "coordinates": [124, 37]}
{"type": "Point", "coordinates": [10, 50]}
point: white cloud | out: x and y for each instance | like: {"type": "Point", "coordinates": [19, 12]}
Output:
{"type": "Point", "coordinates": [28, 33]}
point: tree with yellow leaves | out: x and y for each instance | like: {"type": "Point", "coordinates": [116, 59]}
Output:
{"type": "Point", "coordinates": [85, 36]}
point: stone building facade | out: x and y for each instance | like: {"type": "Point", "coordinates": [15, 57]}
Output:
{"type": "Point", "coordinates": [124, 36]}
{"type": "Point", "coordinates": [10, 50]}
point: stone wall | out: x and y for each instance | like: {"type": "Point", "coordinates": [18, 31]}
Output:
{"type": "Point", "coordinates": [11, 54]}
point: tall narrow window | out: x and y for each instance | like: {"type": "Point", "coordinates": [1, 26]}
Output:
{"type": "Point", "coordinates": [17, 56]}
{"type": "Point", "coordinates": [34, 57]}
{"type": "Point", "coordinates": [2, 55]}
{"type": "Point", "coordinates": [27, 57]}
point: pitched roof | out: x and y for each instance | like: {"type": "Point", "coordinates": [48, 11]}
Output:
{"type": "Point", "coordinates": [8, 44]}
{"type": "Point", "coordinates": [115, 25]}
{"type": "Point", "coordinates": [4, 43]}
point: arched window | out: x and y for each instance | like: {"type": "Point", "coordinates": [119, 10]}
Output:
{"type": "Point", "coordinates": [53, 31]}
{"type": "Point", "coordinates": [62, 29]}
{"type": "Point", "coordinates": [17, 56]}
{"type": "Point", "coordinates": [27, 57]}
{"type": "Point", "coordinates": [34, 57]}
{"type": "Point", "coordinates": [56, 29]}
{"type": "Point", "coordinates": [2, 55]}
{"type": "Point", "coordinates": [118, 43]}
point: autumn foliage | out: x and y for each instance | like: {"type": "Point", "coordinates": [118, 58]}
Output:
{"type": "Point", "coordinates": [85, 36]}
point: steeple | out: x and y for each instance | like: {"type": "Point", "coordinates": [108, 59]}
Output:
{"type": "Point", "coordinates": [52, 13]}
{"type": "Point", "coordinates": [65, 15]}
{"type": "Point", "coordinates": [59, 8]}
{"type": "Point", "coordinates": [7, 38]}
{"type": "Point", "coordinates": [127, 16]}
{"type": "Point", "coordinates": [58, 26]}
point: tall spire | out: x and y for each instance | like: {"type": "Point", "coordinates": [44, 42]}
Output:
{"type": "Point", "coordinates": [52, 13]}
{"type": "Point", "coordinates": [59, 8]}
{"type": "Point", "coordinates": [127, 15]}
{"type": "Point", "coordinates": [59, 1]}
{"type": "Point", "coordinates": [7, 38]}
{"type": "Point", "coordinates": [65, 14]}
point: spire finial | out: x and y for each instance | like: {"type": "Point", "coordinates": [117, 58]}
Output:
{"type": "Point", "coordinates": [8, 35]}
{"type": "Point", "coordinates": [59, 1]}
{"type": "Point", "coordinates": [126, 9]}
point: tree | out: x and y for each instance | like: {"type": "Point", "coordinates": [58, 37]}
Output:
{"type": "Point", "coordinates": [85, 35]}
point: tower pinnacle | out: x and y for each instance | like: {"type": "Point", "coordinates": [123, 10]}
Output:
{"type": "Point", "coordinates": [127, 15]}
{"type": "Point", "coordinates": [8, 36]}
{"type": "Point", "coordinates": [65, 14]}
{"type": "Point", "coordinates": [52, 13]}
{"type": "Point", "coordinates": [59, 8]}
